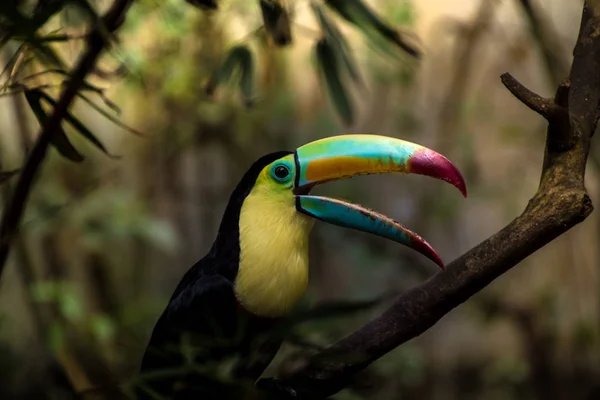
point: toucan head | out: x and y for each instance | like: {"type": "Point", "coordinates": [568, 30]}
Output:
{"type": "Point", "coordinates": [276, 210]}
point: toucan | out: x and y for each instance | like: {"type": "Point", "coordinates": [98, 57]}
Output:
{"type": "Point", "coordinates": [213, 328]}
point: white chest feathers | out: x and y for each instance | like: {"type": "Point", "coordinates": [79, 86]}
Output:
{"type": "Point", "coordinates": [273, 269]}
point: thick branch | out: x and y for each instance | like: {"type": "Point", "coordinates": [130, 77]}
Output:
{"type": "Point", "coordinates": [96, 42]}
{"type": "Point", "coordinates": [560, 203]}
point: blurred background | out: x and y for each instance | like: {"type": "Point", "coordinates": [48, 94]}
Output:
{"type": "Point", "coordinates": [103, 243]}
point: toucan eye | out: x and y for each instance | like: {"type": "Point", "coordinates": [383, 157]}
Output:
{"type": "Point", "coordinates": [281, 172]}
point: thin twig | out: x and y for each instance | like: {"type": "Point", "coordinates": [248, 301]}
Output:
{"type": "Point", "coordinates": [16, 66]}
{"type": "Point", "coordinates": [534, 101]}
{"type": "Point", "coordinates": [23, 89]}
{"type": "Point", "coordinates": [45, 72]}
{"type": "Point", "coordinates": [7, 67]}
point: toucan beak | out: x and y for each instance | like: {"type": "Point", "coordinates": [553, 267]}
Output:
{"type": "Point", "coordinates": [345, 156]}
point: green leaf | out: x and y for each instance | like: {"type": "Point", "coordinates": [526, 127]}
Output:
{"type": "Point", "coordinates": [45, 54]}
{"type": "Point", "coordinates": [85, 132]}
{"type": "Point", "coordinates": [337, 40]}
{"type": "Point", "coordinates": [17, 26]}
{"type": "Point", "coordinates": [59, 140]}
{"type": "Point", "coordinates": [364, 18]}
{"type": "Point", "coordinates": [6, 175]}
{"type": "Point", "coordinates": [277, 21]}
{"type": "Point", "coordinates": [106, 115]}
{"type": "Point", "coordinates": [100, 92]}
{"type": "Point", "coordinates": [328, 63]}
{"type": "Point", "coordinates": [227, 68]}
{"type": "Point", "coordinates": [45, 10]}
{"type": "Point", "coordinates": [86, 86]}
{"type": "Point", "coordinates": [80, 127]}
{"type": "Point", "coordinates": [239, 59]}
{"type": "Point", "coordinates": [247, 79]}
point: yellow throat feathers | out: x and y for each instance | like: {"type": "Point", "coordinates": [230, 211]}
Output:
{"type": "Point", "coordinates": [273, 268]}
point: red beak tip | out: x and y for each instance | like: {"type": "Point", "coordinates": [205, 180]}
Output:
{"type": "Point", "coordinates": [425, 248]}
{"type": "Point", "coordinates": [439, 262]}
{"type": "Point", "coordinates": [453, 176]}
{"type": "Point", "coordinates": [462, 187]}
{"type": "Point", "coordinates": [430, 163]}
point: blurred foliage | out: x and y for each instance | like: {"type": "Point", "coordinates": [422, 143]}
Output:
{"type": "Point", "coordinates": [28, 25]}
{"type": "Point", "coordinates": [105, 241]}
{"type": "Point", "coordinates": [239, 62]}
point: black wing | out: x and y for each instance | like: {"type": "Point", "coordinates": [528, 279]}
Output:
{"type": "Point", "coordinates": [193, 330]}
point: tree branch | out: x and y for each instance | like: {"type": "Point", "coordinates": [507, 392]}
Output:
{"type": "Point", "coordinates": [96, 43]}
{"type": "Point", "coordinates": [555, 110]}
{"type": "Point", "coordinates": [560, 203]}
{"type": "Point", "coordinates": [534, 101]}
